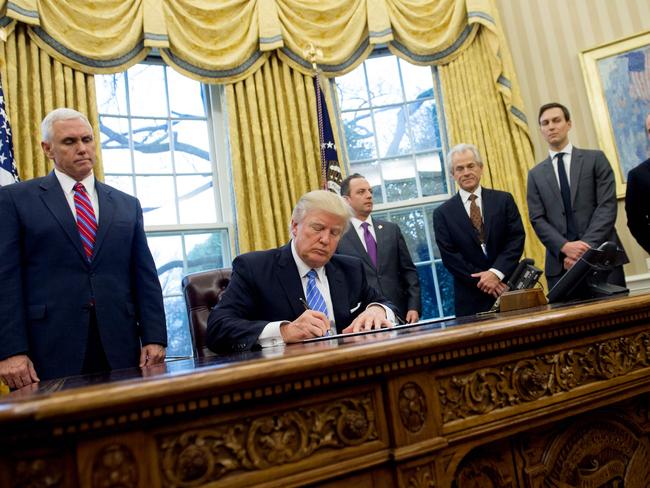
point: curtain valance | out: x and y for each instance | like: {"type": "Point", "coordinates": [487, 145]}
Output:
{"type": "Point", "coordinates": [228, 40]}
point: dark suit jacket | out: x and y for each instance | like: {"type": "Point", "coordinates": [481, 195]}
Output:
{"type": "Point", "coordinates": [265, 287]}
{"type": "Point", "coordinates": [395, 276]}
{"type": "Point", "coordinates": [636, 204]}
{"type": "Point", "coordinates": [46, 282]}
{"type": "Point", "coordinates": [461, 251]}
{"type": "Point", "coordinates": [593, 201]}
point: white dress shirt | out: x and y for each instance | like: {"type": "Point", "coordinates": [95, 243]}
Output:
{"type": "Point", "coordinates": [567, 150]}
{"type": "Point", "coordinates": [67, 184]}
{"type": "Point", "coordinates": [464, 197]}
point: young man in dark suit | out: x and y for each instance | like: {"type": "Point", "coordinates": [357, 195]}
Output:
{"type": "Point", "coordinates": [381, 247]}
{"type": "Point", "coordinates": [479, 234]}
{"type": "Point", "coordinates": [637, 207]}
{"type": "Point", "coordinates": [300, 290]}
{"type": "Point", "coordinates": [79, 288]}
{"type": "Point", "coordinates": [571, 198]}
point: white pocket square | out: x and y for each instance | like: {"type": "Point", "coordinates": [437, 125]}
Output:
{"type": "Point", "coordinates": [352, 310]}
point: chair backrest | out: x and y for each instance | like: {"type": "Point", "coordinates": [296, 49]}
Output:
{"type": "Point", "coordinates": [202, 292]}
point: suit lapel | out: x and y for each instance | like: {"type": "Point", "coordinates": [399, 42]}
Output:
{"type": "Point", "coordinates": [486, 196]}
{"type": "Point", "coordinates": [55, 201]}
{"type": "Point", "coordinates": [106, 212]}
{"type": "Point", "coordinates": [290, 280]}
{"type": "Point", "coordinates": [353, 238]}
{"type": "Point", "coordinates": [577, 161]}
{"type": "Point", "coordinates": [551, 179]}
{"type": "Point", "coordinates": [463, 219]}
{"type": "Point", "coordinates": [383, 243]}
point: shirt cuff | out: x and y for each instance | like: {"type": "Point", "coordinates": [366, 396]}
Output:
{"type": "Point", "coordinates": [499, 274]}
{"type": "Point", "coordinates": [271, 335]}
{"type": "Point", "coordinates": [390, 315]}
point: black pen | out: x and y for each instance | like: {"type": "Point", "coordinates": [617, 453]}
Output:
{"type": "Point", "coordinates": [304, 304]}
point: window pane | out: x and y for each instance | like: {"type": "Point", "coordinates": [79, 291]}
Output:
{"type": "Point", "coordinates": [114, 139]}
{"type": "Point", "coordinates": [205, 251]}
{"type": "Point", "coordinates": [446, 286]}
{"type": "Point", "coordinates": [423, 123]}
{"type": "Point", "coordinates": [191, 146]}
{"type": "Point", "coordinates": [196, 199]}
{"type": "Point", "coordinates": [430, 307]}
{"type": "Point", "coordinates": [147, 94]}
{"type": "Point", "coordinates": [111, 94]}
{"type": "Point", "coordinates": [179, 341]}
{"type": "Point", "coordinates": [383, 83]}
{"type": "Point", "coordinates": [122, 183]}
{"type": "Point", "coordinates": [418, 80]}
{"type": "Point", "coordinates": [352, 90]}
{"type": "Point", "coordinates": [431, 174]}
{"type": "Point", "coordinates": [185, 95]}
{"type": "Point", "coordinates": [399, 179]}
{"type": "Point", "coordinates": [167, 253]}
{"type": "Point", "coordinates": [359, 135]}
{"type": "Point", "coordinates": [392, 136]}
{"type": "Point", "coordinates": [156, 194]}
{"type": "Point", "coordinates": [151, 146]}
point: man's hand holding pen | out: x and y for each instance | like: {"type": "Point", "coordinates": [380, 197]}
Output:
{"type": "Point", "coordinates": [310, 324]}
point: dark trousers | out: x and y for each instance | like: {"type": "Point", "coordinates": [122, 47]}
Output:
{"type": "Point", "coordinates": [95, 359]}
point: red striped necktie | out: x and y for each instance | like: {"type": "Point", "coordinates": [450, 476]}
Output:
{"type": "Point", "coordinates": [86, 221]}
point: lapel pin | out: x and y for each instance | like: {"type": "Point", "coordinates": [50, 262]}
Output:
{"type": "Point", "coordinates": [380, 226]}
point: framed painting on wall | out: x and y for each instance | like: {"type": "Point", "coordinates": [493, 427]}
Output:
{"type": "Point", "coordinates": [617, 76]}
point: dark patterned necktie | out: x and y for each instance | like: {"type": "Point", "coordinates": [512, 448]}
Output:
{"type": "Point", "coordinates": [86, 221]}
{"type": "Point", "coordinates": [475, 217]}
{"type": "Point", "coordinates": [565, 190]}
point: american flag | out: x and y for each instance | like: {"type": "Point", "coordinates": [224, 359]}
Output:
{"type": "Point", "coordinates": [639, 71]}
{"type": "Point", "coordinates": [8, 170]}
{"type": "Point", "coordinates": [331, 175]}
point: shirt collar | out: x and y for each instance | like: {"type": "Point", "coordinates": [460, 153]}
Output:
{"type": "Point", "coordinates": [303, 268]}
{"type": "Point", "coordinates": [568, 149]}
{"type": "Point", "coordinates": [357, 222]}
{"type": "Point", "coordinates": [68, 183]}
{"type": "Point", "coordinates": [464, 195]}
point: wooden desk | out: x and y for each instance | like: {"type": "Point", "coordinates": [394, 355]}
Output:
{"type": "Point", "coordinates": [553, 397]}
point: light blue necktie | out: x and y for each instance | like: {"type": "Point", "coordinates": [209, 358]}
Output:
{"type": "Point", "coordinates": [315, 299]}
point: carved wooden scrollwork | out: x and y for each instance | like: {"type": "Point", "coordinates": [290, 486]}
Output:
{"type": "Point", "coordinates": [482, 474]}
{"type": "Point", "coordinates": [412, 406]}
{"type": "Point", "coordinates": [600, 453]}
{"type": "Point", "coordinates": [488, 389]}
{"type": "Point", "coordinates": [199, 456]}
{"type": "Point", "coordinates": [114, 466]}
{"type": "Point", "coordinates": [420, 477]}
{"type": "Point", "coordinates": [39, 473]}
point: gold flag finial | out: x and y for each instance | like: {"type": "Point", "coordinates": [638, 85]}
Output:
{"type": "Point", "coordinates": [312, 54]}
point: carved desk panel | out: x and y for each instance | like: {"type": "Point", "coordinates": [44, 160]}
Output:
{"type": "Point", "coordinates": [556, 396]}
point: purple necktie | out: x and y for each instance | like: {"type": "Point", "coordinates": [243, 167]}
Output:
{"type": "Point", "coordinates": [371, 245]}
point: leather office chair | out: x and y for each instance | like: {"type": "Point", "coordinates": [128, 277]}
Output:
{"type": "Point", "coordinates": [202, 292]}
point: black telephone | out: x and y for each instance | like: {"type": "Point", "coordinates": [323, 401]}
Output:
{"type": "Point", "coordinates": [525, 275]}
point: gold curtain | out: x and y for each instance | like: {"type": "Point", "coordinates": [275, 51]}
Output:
{"type": "Point", "coordinates": [477, 113]}
{"type": "Point", "coordinates": [273, 126]}
{"type": "Point", "coordinates": [259, 48]}
{"type": "Point", "coordinates": [35, 84]}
